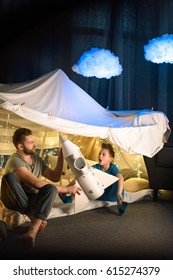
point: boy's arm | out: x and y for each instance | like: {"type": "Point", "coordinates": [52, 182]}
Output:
{"type": "Point", "coordinates": [120, 188]}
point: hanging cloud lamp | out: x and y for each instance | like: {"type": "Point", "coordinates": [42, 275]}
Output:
{"type": "Point", "coordinates": [160, 49]}
{"type": "Point", "coordinates": [99, 63]}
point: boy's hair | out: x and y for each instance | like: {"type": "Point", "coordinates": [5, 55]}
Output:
{"type": "Point", "coordinates": [109, 147]}
{"type": "Point", "coordinates": [19, 135]}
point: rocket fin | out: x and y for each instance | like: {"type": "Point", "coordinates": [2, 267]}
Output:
{"type": "Point", "coordinates": [105, 178]}
{"type": "Point", "coordinates": [80, 200]}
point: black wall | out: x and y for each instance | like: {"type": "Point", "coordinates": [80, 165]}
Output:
{"type": "Point", "coordinates": [38, 36]}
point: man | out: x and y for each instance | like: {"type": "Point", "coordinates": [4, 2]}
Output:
{"type": "Point", "coordinates": [24, 190]}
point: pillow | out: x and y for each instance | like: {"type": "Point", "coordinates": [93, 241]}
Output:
{"type": "Point", "coordinates": [129, 173]}
{"type": "Point", "coordinates": [136, 184]}
{"type": "Point", "coordinates": [12, 218]}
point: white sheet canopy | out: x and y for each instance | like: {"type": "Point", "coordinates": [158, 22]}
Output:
{"type": "Point", "coordinates": [56, 102]}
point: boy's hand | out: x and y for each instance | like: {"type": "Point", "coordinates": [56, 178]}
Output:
{"type": "Point", "coordinates": [120, 199]}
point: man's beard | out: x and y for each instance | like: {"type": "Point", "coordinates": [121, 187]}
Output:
{"type": "Point", "coordinates": [28, 152]}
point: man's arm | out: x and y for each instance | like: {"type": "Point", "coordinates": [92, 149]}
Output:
{"type": "Point", "coordinates": [55, 175]}
{"type": "Point", "coordinates": [28, 178]}
{"type": "Point", "coordinates": [31, 180]}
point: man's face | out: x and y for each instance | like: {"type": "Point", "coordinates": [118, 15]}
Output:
{"type": "Point", "coordinates": [29, 145]}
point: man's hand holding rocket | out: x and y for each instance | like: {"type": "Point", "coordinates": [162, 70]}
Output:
{"type": "Point", "coordinates": [70, 189]}
{"type": "Point", "coordinates": [73, 190]}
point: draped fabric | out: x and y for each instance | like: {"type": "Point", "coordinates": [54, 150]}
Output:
{"type": "Point", "coordinates": [55, 102]}
{"type": "Point", "coordinates": [40, 36]}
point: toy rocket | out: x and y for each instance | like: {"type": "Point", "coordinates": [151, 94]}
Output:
{"type": "Point", "coordinates": [91, 180]}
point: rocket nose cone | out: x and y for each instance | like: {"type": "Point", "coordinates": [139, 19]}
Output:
{"type": "Point", "coordinates": [62, 139]}
{"type": "Point", "coordinates": [68, 147]}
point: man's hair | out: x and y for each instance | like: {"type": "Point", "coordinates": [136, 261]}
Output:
{"type": "Point", "coordinates": [109, 148]}
{"type": "Point", "coordinates": [19, 135]}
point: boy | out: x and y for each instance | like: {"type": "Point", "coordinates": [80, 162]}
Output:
{"type": "Point", "coordinates": [114, 192]}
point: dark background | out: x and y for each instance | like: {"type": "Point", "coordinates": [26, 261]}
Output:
{"type": "Point", "coordinates": [38, 36]}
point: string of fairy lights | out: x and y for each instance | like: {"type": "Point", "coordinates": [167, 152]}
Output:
{"type": "Point", "coordinates": [89, 146]}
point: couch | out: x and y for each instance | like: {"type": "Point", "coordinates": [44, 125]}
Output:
{"type": "Point", "coordinates": [160, 169]}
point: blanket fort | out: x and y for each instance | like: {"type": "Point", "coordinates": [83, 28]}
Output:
{"type": "Point", "coordinates": [56, 102]}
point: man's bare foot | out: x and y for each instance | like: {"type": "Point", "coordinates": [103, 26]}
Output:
{"type": "Point", "coordinates": [30, 236]}
{"type": "Point", "coordinates": [42, 226]}
{"type": "Point", "coordinates": [29, 239]}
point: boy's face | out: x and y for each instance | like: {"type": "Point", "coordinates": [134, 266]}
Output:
{"type": "Point", "coordinates": [104, 157]}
